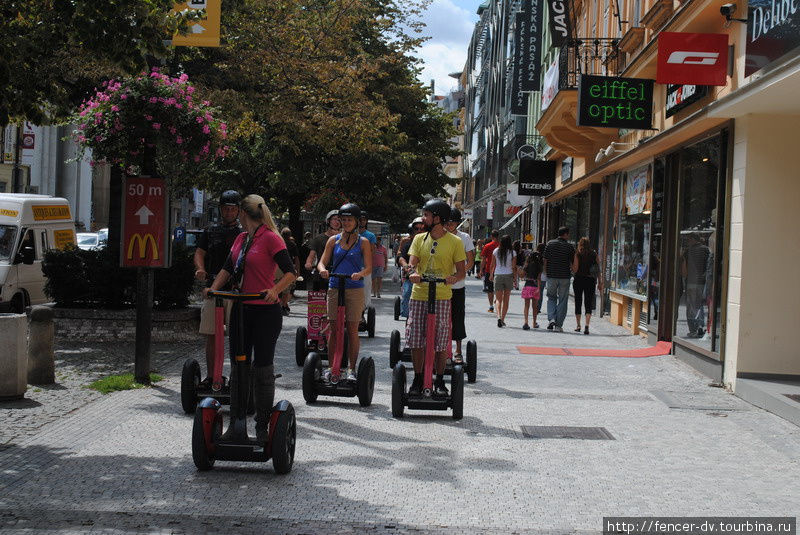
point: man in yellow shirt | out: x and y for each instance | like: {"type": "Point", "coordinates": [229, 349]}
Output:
{"type": "Point", "coordinates": [435, 253]}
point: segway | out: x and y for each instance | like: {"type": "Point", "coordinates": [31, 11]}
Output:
{"type": "Point", "coordinates": [314, 384]}
{"type": "Point", "coordinates": [209, 444]}
{"type": "Point", "coordinates": [428, 400]}
{"type": "Point", "coordinates": [397, 303]}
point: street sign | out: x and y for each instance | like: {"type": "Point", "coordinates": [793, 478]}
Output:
{"type": "Point", "coordinates": [145, 223]}
{"type": "Point", "coordinates": [179, 234]}
{"type": "Point", "coordinates": [204, 32]}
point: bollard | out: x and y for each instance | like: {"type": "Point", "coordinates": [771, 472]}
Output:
{"type": "Point", "coordinates": [41, 360]}
{"type": "Point", "coordinates": [13, 358]}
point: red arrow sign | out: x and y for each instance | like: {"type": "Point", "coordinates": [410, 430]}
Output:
{"type": "Point", "coordinates": [145, 221]}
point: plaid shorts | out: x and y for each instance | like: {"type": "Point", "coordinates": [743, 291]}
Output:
{"type": "Point", "coordinates": [417, 324]}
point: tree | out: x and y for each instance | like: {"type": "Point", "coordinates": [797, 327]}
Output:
{"type": "Point", "coordinates": [52, 52]}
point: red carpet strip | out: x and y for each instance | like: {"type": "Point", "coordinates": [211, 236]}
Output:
{"type": "Point", "coordinates": [661, 348]}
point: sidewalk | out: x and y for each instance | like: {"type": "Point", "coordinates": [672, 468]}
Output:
{"type": "Point", "coordinates": [673, 446]}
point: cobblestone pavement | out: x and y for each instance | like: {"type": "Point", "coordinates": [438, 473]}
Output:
{"type": "Point", "coordinates": [122, 463]}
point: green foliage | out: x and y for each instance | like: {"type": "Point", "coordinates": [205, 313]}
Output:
{"type": "Point", "coordinates": [53, 52]}
{"type": "Point", "coordinates": [93, 279]}
{"type": "Point", "coordinates": [114, 383]}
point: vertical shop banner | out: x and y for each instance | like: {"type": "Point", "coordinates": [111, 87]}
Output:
{"type": "Point", "coordinates": [559, 22]}
{"type": "Point", "coordinates": [527, 72]}
{"type": "Point", "coordinates": [144, 232]}
{"type": "Point", "coordinates": [692, 58]}
{"type": "Point", "coordinates": [550, 87]}
{"type": "Point", "coordinates": [773, 30]}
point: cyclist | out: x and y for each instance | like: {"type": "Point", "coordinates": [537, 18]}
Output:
{"type": "Point", "coordinates": [436, 253]}
{"type": "Point", "coordinates": [348, 253]}
{"type": "Point", "coordinates": [250, 266]}
{"type": "Point", "coordinates": [459, 289]}
{"type": "Point", "coordinates": [414, 228]}
{"type": "Point", "coordinates": [333, 225]}
{"type": "Point", "coordinates": [362, 228]}
{"type": "Point", "coordinates": [213, 247]}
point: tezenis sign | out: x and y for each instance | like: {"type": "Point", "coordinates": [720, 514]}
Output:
{"type": "Point", "coordinates": [611, 102]}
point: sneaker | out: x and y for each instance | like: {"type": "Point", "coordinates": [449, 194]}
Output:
{"type": "Point", "coordinates": [557, 329]}
{"type": "Point", "coordinates": [326, 375]}
{"type": "Point", "coordinates": [535, 325]}
{"type": "Point", "coordinates": [551, 325]}
{"type": "Point", "coordinates": [416, 386]}
{"type": "Point", "coordinates": [499, 322]}
{"type": "Point", "coordinates": [526, 327]}
{"type": "Point", "coordinates": [439, 388]}
{"type": "Point", "coordinates": [586, 330]}
{"type": "Point", "coordinates": [205, 383]}
{"type": "Point", "coordinates": [351, 375]}
{"type": "Point", "coordinates": [379, 296]}
{"type": "Point", "coordinates": [503, 322]}
{"type": "Point", "coordinates": [491, 309]}
{"type": "Point", "coordinates": [285, 311]}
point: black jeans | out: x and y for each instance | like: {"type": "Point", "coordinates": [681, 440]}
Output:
{"type": "Point", "coordinates": [583, 287]}
{"type": "Point", "coordinates": [457, 303]}
{"type": "Point", "coordinates": [262, 324]}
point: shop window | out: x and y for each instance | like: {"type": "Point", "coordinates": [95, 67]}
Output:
{"type": "Point", "coordinates": [697, 303]}
{"type": "Point", "coordinates": [634, 233]}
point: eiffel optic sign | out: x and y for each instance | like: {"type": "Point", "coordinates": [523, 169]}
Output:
{"type": "Point", "coordinates": [527, 56]}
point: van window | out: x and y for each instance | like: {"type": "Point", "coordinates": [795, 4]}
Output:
{"type": "Point", "coordinates": [43, 241]}
{"type": "Point", "coordinates": [28, 241]}
{"type": "Point", "coordinates": [8, 235]}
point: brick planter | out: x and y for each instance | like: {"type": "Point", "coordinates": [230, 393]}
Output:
{"type": "Point", "coordinates": [99, 325]}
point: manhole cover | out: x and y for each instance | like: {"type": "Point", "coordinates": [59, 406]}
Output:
{"type": "Point", "coordinates": [793, 397]}
{"type": "Point", "coordinates": [556, 431]}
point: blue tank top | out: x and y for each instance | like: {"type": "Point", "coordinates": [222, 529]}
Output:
{"type": "Point", "coordinates": [347, 261]}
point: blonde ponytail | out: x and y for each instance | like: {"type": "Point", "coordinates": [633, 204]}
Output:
{"type": "Point", "coordinates": [256, 208]}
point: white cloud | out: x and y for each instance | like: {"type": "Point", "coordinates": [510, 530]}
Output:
{"type": "Point", "coordinates": [449, 28]}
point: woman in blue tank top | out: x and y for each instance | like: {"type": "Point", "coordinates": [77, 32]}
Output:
{"type": "Point", "coordinates": [347, 254]}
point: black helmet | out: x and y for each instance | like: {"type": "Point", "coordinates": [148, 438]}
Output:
{"type": "Point", "coordinates": [363, 214]}
{"type": "Point", "coordinates": [230, 197]}
{"type": "Point", "coordinates": [438, 207]}
{"type": "Point", "coordinates": [455, 215]}
{"type": "Point", "coordinates": [350, 209]}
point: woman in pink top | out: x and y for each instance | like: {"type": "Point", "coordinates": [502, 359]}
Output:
{"type": "Point", "coordinates": [380, 260]}
{"type": "Point", "coordinates": [251, 265]}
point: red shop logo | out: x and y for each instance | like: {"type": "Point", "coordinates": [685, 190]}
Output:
{"type": "Point", "coordinates": [692, 58]}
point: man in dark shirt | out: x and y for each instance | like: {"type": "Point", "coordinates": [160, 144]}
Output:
{"type": "Point", "coordinates": [213, 248]}
{"type": "Point", "coordinates": [486, 267]}
{"type": "Point", "coordinates": [318, 247]}
{"type": "Point", "coordinates": [558, 255]}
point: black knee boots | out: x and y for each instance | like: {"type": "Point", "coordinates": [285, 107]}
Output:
{"type": "Point", "coordinates": [264, 390]}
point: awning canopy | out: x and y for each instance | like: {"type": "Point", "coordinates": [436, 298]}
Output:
{"type": "Point", "coordinates": [515, 217]}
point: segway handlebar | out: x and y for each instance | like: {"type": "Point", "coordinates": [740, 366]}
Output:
{"type": "Point", "coordinates": [238, 296]}
{"type": "Point", "coordinates": [428, 278]}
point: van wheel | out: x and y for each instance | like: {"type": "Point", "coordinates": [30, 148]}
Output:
{"type": "Point", "coordinates": [18, 304]}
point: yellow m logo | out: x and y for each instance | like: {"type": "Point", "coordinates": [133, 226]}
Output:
{"type": "Point", "coordinates": [142, 241]}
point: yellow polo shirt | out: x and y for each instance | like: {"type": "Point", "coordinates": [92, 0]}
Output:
{"type": "Point", "coordinates": [437, 258]}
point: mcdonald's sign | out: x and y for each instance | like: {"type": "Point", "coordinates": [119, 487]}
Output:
{"type": "Point", "coordinates": [145, 238]}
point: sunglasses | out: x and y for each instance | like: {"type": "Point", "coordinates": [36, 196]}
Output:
{"type": "Point", "coordinates": [435, 245]}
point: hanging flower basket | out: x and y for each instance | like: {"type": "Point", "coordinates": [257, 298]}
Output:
{"type": "Point", "coordinates": [151, 123]}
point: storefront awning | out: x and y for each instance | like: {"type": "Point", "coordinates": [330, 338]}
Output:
{"type": "Point", "coordinates": [510, 221]}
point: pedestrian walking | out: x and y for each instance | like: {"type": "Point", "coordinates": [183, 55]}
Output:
{"type": "Point", "coordinates": [363, 220]}
{"type": "Point", "coordinates": [458, 301]}
{"type": "Point", "coordinates": [543, 282]}
{"type": "Point", "coordinates": [402, 260]}
{"type": "Point", "coordinates": [213, 247]}
{"type": "Point", "coordinates": [380, 263]}
{"type": "Point", "coordinates": [486, 267]}
{"type": "Point", "coordinates": [558, 256]}
{"type": "Point", "coordinates": [531, 272]}
{"type": "Point", "coordinates": [504, 275]}
{"type": "Point", "coordinates": [477, 267]}
{"type": "Point", "coordinates": [517, 247]}
{"type": "Point", "coordinates": [294, 254]}
{"type": "Point", "coordinates": [586, 269]}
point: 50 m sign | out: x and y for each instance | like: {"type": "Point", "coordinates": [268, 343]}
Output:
{"type": "Point", "coordinates": [145, 223]}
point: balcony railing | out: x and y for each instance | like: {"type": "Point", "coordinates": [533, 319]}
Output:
{"type": "Point", "coordinates": [598, 56]}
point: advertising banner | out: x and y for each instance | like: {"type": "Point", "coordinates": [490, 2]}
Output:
{"type": "Point", "coordinates": [559, 22]}
{"type": "Point", "coordinates": [536, 177]}
{"type": "Point", "coordinates": [692, 58]}
{"type": "Point", "coordinates": [636, 198]}
{"type": "Point", "coordinates": [317, 313]}
{"type": "Point", "coordinates": [681, 96]}
{"type": "Point", "coordinates": [519, 99]}
{"type": "Point", "coordinates": [773, 29]}
{"type": "Point", "coordinates": [144, 231]}
{"type": "Point", "coordinates": [610, 102]}
{"type": "Point", "coordinates": [550, 87]}
{"type": "Point", "coordinates": [527, 74]}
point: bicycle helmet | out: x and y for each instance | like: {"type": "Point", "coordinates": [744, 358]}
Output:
{"type": "Point", "coordinates": [455, 215]}
{"type": "Point", "coordinates": [363, 215]}
{"type": "Point", "coordinates": [330, 214]}
{"type": "Point", "coordinates": [350, 209]}
{"type": "Point", "coordinates": [230, 197]}
{"type": "Point", "coordinates": [438, 207]}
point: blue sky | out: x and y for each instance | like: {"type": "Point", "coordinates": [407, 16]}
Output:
{"type": "Point", "coordinates": [449, 26]}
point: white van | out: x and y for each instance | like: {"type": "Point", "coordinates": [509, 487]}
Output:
{"type": "Point", "coordinates": [29, 225]}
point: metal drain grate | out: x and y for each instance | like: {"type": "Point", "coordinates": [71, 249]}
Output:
{"type": "Point", "coordinates": [793, 397]}
{"type": "Point", "coordinates": [557, 431]}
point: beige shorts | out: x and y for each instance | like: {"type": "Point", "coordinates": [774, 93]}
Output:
{"type": "Point", "coordinates": [503, 283]}
{"type": "Point", "coordinates": [353, 304]}
{"type": "Point", "coordinates": [207, 315]}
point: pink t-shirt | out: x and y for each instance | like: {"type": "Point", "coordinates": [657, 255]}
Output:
{"type": "Point", "coordinates": [379, 257]}
{"type": "Point", "coordinates": [259, 264]}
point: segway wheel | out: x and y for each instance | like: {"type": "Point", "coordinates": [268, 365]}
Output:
{"type": "Point", "coordinates": [283, 441]}
{"type": "Point", "coordinates": [190, 378]}
{"type": "Point", "coordinates": [395, 353]}
{"type": "Point", "coordinates": [398, 390]}
{"type": "Point", "coordinates": [366, 381]}
{"type": "Point", "coordinates": [203, 459]}
{"type": "Point", "coordinates": [300, 352]}
{"type": "Point", "coordinates": [311, 372]}
{"type": "Point", "coordinates": [472, 361]}
{"type": "Point", "coordinates": [371, 322]}
{"type": "Point", "coordinates": [457, 390]}
{"type": "Point", "coordinates": [396, 308]}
